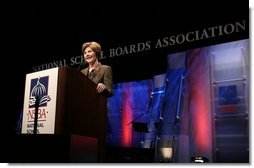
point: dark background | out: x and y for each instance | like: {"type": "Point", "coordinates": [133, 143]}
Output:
{"type": "Point", "coordinates": [39, 32]}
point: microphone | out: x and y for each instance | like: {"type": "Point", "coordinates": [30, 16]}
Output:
{"type": "Point", "coordinates": [81, 64]}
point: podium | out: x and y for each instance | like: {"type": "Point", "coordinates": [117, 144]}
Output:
{"type": "Point", "coordinates": [140, 127]}
{"type": "Point", "coordinates": [70, 106]}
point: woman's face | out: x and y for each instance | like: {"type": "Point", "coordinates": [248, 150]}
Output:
{"type": "Point", "coordinates": [89, 55]}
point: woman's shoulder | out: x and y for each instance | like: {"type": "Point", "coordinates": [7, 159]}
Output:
{"type": "Point", "coordinates": [105, 66]}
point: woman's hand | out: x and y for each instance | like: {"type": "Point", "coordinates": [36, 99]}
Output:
{"type": "Point", "coordinates": [100, 87]}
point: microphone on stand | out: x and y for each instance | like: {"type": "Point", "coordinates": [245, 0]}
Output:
{"type": "Point", "coordinates": [81, 64]}
{"type": "Point", "coordinates": [37, 104]}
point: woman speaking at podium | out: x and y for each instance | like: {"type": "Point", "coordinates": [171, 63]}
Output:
{"type": "Point", "coordinates": [100, 74]}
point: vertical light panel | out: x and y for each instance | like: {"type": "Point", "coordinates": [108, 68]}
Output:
{"type": "Point", "coordinates": [127, 113]}
{"type": "Point", "coordinates": [200, 122]}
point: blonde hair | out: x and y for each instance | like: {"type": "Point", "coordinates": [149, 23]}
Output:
{"type": "Point", "coordinates": [96, 47]}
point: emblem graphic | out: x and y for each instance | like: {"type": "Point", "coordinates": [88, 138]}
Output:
{"type": "Point", "coordinates": [228, 99]}
{"type": "Point", "coordinates": [39, 89]}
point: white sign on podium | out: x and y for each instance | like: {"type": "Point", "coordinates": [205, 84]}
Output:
{"type": "Point", "coordinates": [42, 84]}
